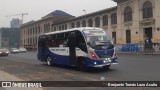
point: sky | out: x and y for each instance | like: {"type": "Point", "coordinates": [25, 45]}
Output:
{"type": "Point", "coordinates": [39, 8]}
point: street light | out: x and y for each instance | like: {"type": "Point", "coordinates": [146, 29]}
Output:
{"type": "Point", "coordinates": [85, 13]}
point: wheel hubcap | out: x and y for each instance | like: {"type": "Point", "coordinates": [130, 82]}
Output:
{"type": "Point", "coordinates": [49, 61]}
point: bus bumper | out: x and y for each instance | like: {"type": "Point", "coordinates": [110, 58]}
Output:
{"type": "Point", "coordinates": [101, 62]}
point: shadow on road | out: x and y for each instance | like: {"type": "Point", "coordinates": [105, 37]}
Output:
{"type": "Point", "coordinates": [74, 68]}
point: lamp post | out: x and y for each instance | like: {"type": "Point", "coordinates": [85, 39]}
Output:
{"type": "Point", "coordinates": [84, 25]}
{"type": "Point", "coordinates": [85, 13]}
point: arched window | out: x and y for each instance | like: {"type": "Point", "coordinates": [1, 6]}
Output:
{"type": "Point", "coordinates": [36, 29]}
{"type": "Point", "coordinates": [78, 24]}
{"type": "Point", "coordinates": [90, 23]}
{"type": "Point", "coordinates": [48, 27]}
{"type": "Point", "coordinates": [97, 22]}
{"type": "Point", "coordinates": [28, 31]}
{"type": "Point", "coordinates": [84, 23]}
{"type": "Point", "coordinates": [128, 14]}
{"type": "Point", "coordinates": [73, 25]}
{"type": "Point", "coordinates": [114, 18]}
{"type": "Point", "coordinates": [65, 26]}
{"type": "Point", "coordinates": [33, 30]}
{"type": "Point", "coordinates": [45, 28]}
{"type": "Point", "coordinates": [147, 10]}
{"type": "Point", "coordinates": [28, 42]}
{"type": "Point", "coordinates": [105, 20]}
{"type": "Point", "coordinates": [55, 28]}
{"type": "Point", "coordinates": [62, 27]}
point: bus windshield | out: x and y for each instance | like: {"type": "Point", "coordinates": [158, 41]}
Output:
{"type": "Point", "coordinates": [98, 39]}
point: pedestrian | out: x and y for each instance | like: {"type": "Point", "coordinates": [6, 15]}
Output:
{"type": "Point", "coordinates": [148, 44]}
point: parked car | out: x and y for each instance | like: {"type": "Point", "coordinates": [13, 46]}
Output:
{"type": "Point", "coordinates": [4, 52]}
{"type": "Point", "coordinates": [22, 50]}
{"type": "Point", "coordinates": [14, 50]}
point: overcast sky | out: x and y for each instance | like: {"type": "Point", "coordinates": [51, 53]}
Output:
{"type": "Point", "coordinates": [39, 8]}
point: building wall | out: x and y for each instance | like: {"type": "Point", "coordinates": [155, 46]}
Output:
{"type": "Point", "coordinates": [15, 23]}
{"type": "Point", "coordinates": [10, 37]}
{"type": "Point", "coordinates": [30, 33]}
{"type": "Point", "coordinates": [136, 26]}
{"type": "Point", "coordinates": [58, 26]}
{"type": "Point", "coordinates": [157, 18]}
{"type": "Point", "coordinates": [0, 38]}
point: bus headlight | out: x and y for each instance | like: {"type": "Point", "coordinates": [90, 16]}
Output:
{"type": "Point", "coordinates": [108, 59]}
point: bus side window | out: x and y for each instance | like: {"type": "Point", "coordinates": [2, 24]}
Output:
{"type": "Point", "coordinates": [56, 43]}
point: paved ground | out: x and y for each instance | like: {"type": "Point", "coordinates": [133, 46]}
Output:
{"type": "Point", "coordinates": [134, 67]}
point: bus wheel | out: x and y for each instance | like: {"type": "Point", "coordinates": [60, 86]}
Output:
{"type": "Point", "coordinates": [49, 61]}
{"type": "Point", "coordinates": [106, 67]}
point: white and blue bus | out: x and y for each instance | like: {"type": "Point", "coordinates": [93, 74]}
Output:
{"type": "Point", "coordinates": [82, 47]}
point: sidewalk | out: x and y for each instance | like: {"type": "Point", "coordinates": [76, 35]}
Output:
{"type": "Point", "coordinates": [139, 53]}
{"type": "Point", "coordinates": [4, 76]}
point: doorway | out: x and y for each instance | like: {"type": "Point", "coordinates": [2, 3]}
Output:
{"type": "Point", "coordinates": [128, 36]}
{"type": "Point", "coordinates": [114, 37]}
{"type": "Point", "coordinates": [148, 32]}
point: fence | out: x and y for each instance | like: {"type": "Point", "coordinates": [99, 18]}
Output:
{"type": "Point", "coordinates": [131, 48]}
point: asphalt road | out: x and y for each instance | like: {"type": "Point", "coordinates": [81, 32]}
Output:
{"type": "Point", "coordinates": [130, 68]}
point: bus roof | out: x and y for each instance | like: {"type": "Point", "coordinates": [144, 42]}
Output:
{"type": "Point", "coordinates": [79, 29]}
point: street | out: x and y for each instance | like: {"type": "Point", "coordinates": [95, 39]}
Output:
{"type": "Point", "coordinates": [131, 67]}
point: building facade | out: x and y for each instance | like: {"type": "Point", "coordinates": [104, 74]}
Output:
{"type": "Point", "coordinates": [129, 22]}
{"type": "Point", "coordinates": [15, 23]}
{"type": "Point", "coordinates": [138, 19]}
{"type": "Point", "coordinates": [10, 37]}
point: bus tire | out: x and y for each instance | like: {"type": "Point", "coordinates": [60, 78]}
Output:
{"type": "Point", "coordinates": [49, 61]}
{"type": "Point", "coordinates": [81, 64]}
{"type": "Point", "coordinates": [106, 67]}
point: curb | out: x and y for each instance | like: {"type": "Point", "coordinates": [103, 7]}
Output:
{"type": "Point", "coordinates": [138, 53]}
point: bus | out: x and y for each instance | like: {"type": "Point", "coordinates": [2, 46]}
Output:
{"type": "Point", "coordinates": [85, 47]}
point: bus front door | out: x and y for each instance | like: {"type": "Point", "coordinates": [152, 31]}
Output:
{"type": "Point", "coordinates": [72, 50]}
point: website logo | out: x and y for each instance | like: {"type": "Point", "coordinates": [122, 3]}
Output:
{"type": "Point", "coordinates": [6, 84]}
